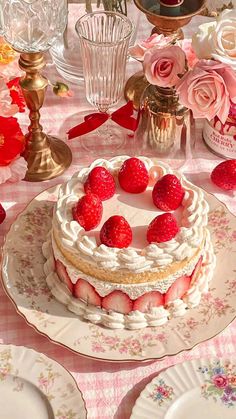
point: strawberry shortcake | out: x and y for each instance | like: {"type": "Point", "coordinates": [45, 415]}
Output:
{"type": "Point", "coordinates": [129, 245]}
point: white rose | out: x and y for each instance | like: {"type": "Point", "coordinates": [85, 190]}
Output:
{"type": "Point", "coordinates": [217, 39]}
{"type": "Point", "coordinates": [201, 40]}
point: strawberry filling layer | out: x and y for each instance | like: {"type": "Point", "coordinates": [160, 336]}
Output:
{"type": "Point", "coordinates": [119, 301]}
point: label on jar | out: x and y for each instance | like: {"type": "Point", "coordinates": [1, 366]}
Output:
{"type": "Point", "coordinates": [224, 145]}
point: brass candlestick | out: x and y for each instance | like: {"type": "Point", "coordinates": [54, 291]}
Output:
{"type": "Point", "coordinates": [170, 25]}
{"type": "Point", "coordinates": [167, 25]}
{"type": "Point", "coordinates": [47, 157]}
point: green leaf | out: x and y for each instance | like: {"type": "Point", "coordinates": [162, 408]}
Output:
{"type": "Point", "coordinates": [211, 388]}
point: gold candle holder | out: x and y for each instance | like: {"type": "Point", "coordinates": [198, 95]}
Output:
{"type": "Point", "coordinates": [166, 25]}
{"type": "Point", "coordinates": [170, 25]}
{"type": "Point", "coordinates": [47, 157]}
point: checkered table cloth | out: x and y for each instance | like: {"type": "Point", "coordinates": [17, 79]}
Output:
{"type": "Point", "coordinates": [109, 389]}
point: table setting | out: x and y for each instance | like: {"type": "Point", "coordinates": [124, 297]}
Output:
{"type": "Point", "coordinates": [117, 209]}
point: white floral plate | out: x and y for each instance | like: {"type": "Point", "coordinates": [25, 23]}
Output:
{"type": "Point", "coordinates": [24, 282]}
{"type": "Point", "coordinates": [34, 386]}
{"type": "Point", "coordinates": [196, 389]}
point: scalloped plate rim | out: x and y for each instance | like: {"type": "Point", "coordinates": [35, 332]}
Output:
{"type": "Point", "coordinates": [174, 369]}
{"type": "Point", "coordinates": [30, 352]}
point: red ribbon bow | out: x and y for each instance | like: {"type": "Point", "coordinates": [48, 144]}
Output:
{"type": "Point", "coordinates": [122, 116]}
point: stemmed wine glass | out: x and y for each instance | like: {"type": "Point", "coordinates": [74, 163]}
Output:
{"type": "Point", "coordinates": [104, 39]}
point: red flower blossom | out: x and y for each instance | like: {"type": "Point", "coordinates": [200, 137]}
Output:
{"type": "Point", "coordinates": [16, 93]}
{"type": "Point", "coordinates": [220, 380]}
{"type": "Point", "coordinates": [12, 140]}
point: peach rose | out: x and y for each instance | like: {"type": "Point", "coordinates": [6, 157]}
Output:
{"type": "Point", "coordinates": [232, 379]}
{"type": "Point", "coordinates": [138, 50]}
{"type": "Point", "coordinates": [208, 90]}
{"type": "Point", "coordinates": [218, 39]}
{"type": "Point", "coordinates": [163, 66]}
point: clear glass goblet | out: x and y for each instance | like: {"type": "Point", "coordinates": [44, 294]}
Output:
{"type": "Point", "coordinates": [32, 25]}
{"type": "Point", "coordinates": [104, 39]}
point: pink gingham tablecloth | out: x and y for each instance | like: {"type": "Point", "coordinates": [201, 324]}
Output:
{"type": "Point", "coordinates": [109, 389]}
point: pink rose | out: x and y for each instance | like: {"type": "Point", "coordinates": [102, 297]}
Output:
{"type": "Point", "coordinates": [186, 45]}
{"type": "Point", "coordinates": [162, 67]}
{"type": "Point", "coordinates": [221, 234]}
{"type": "Point", "coordinates": [138, 50]}
{"type": "Point", "coordinates": [208, 90]}
{"type": "Point", "coordinates": [233, 237]}
{"type": "Point", "coordinates": [220, 381]}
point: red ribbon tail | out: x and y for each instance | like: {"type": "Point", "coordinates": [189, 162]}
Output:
{"type": "Point", "coordinates": [127, 122]}
{"type": "Point", "coordinates": [124, 116]}
{"type": "Point", "coordinates": [91, 122]}
{"type": "Point", "coordinates": [125, 110]}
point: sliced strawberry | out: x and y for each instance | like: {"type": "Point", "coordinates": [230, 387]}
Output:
{"type": "Point", "coordinates": [117, 301]}
{"type": "Point", "coordinates": [178, 289]}
{"type": "Point", "coordinates": [86, 292]}
{"type": "Point", "coordinates": [151, 299]}
{"type": "Point", "coordinates": [196, 270]}
{"type": "Point", "coordinates": [2, 214]}
{"type": "Point", "coordinates": [63, 275]}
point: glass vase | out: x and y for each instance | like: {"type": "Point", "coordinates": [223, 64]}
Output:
{"type": "Point", "coordinates": [163, 123]}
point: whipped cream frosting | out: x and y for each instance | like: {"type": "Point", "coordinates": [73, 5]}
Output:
{"type": "Point", "coordinates": [139, 257]}
{"type": "Point", "coordinates": [136, 319]}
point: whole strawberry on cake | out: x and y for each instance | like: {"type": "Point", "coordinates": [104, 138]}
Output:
{"type": "Point", "coordinates": [129, 246]}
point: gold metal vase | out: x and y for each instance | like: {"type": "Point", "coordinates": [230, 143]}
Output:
{"type": "Point", "coordinates": [47, 157]}
{"type": "Point", "coordinates": [162, 122]}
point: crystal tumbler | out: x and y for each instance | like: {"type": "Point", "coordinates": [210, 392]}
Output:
{"type": "Point", "coordinates": [32, 25]}
{"type": "Point", "coordinates": [104, 40]}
